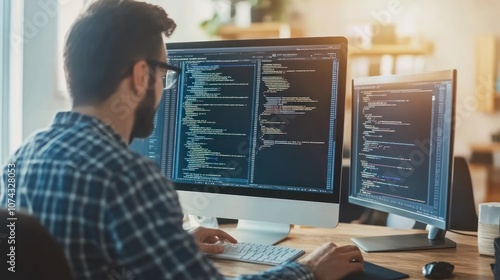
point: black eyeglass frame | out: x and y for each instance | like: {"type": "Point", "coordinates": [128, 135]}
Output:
{"type": "Point", "coordinates": [170, 77]}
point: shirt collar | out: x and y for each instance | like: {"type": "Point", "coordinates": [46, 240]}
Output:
{"type": "Point", "coordinates": [71, 119]}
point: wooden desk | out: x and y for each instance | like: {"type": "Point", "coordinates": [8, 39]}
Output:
{"type": "Point", "coordinates": [468, 263]}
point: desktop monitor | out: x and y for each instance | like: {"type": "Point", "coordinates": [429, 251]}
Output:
{"type": "Point", "coordinates": [402, 154]}
{"type": "Point", "coordinates": [254, 131]}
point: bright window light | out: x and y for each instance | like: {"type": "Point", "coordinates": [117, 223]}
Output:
{"type": "Point", "coordinates": [68, 12]}
{"type": "Point", "coordinates": [15, 76]}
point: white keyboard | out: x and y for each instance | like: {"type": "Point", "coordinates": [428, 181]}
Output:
{"type": "Point", "coordinates": [257, 253]}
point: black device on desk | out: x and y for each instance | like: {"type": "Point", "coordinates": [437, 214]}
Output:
{"type": "Point", "coordinates": [437, 270]}
{"type": "Point", "coordinates": [372, 271]}
{"type": "Point", "coordinates": [402, 154]}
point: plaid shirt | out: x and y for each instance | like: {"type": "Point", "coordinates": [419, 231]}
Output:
{"type": "Point", "coordinates": [113, 212]}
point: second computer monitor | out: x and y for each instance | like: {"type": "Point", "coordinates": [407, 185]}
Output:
{"type": "Point", "coordinates": [254, 131]}
{"type": "Point", "coordinates": [402, 152]}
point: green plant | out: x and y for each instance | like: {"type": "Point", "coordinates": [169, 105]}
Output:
{"type": "Point", "coordinates": [212, 25]}
{"type": "Point", "coordinates": [270, 10]}
{"type": "Point", "coordinates": [262, 10]}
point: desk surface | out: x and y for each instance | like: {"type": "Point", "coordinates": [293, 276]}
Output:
{"type": "Point", "coordinates": [468, 263]}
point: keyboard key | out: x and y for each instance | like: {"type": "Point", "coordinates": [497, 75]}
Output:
{"type": "Point", "coordinates": [258, 253]}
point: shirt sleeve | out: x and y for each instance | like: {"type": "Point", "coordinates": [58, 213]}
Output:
{"type": "Point", "coordinates": [145, 225]}
{"type": "Point", "coordinates": [144, 222]}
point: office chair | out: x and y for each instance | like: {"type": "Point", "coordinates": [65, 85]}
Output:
{"type": "Point", "coordinates": [463, 214]}
{"type": "Point", "coordinates": [37, 255]}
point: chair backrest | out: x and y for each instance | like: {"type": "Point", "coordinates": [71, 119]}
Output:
{"type": "Point", "coordinates": [463, 214]}
{"type": "Point", "coordinates": [36, 254]}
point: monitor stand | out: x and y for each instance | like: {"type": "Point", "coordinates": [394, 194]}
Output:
{"type": "Point", "coordinates": [260, 232]}
{"type": "Point", "coordinates": [406, 242]}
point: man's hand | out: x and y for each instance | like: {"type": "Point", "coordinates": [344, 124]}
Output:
{"type": "Point", "coordinates": [332, 262]}
{"type": "Point", "coordinates": [207, 239]}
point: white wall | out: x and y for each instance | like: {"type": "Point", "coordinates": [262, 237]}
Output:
{"type": "Point", "coordinates": [453, 27]}
{"type": "Point", "coordinates": [40, 98]}
{"type": "Point", "coordinates": [187, 14]}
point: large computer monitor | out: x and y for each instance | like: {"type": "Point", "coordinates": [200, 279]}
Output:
{"type": "Point", "coordinates": [254, 131]}
{"type": "Point", "coordinates": [402, 154]}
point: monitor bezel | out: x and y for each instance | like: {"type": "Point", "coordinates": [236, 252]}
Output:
{"type": "Point", "coordinates": [390, 79]}
{"type": "Point", "coordinates": [340, 109]}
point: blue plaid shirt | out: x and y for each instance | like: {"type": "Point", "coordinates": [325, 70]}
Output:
{"type": "Point", "coordinates": [113, 212]}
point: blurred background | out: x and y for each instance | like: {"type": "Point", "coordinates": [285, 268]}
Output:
{"type": "Point", "coordinates": [385, 37]}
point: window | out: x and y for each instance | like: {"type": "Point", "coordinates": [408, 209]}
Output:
{"type": "Point", "coordinates": [4, 77]}
{"type": "Point", "coordinates": [11, 51]}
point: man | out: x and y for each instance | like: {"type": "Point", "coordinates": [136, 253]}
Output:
{"type": "Point", "coordinates": [111, 208]}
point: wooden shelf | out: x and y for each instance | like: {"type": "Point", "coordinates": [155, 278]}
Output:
{"type": "Point", "coordinates": [259, 30]}
{"type": "Point", "coordinates": [486, 147]}
{"type": "Point", "coordinates": [394, 49]}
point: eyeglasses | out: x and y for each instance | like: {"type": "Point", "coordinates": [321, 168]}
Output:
{"type": "Point", "coordinates": [170, 77]}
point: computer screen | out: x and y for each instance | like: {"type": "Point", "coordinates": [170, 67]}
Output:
{"type": "Point", "coordinates": [254, 129]}
{"type": "Point", "coordinates": [402, 146]}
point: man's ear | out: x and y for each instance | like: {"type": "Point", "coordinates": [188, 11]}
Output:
{"type": "Point", "coordinates": [140, 77]}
